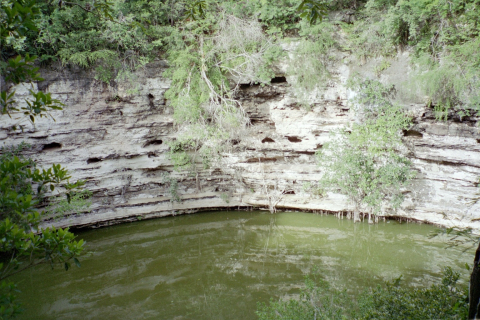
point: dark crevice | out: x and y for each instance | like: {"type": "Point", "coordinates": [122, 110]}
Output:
{"type": "Point", "coordinates": [255, 121]}
{"type": "Point", "coordinates": [51, 146]}
{"type": "Point", "coordinates": [153, 142]}
{"type": "Point", "coordinates": [443, 162]}
{"type": "Point", "coordinates": [252, 160]}
{"type": "Point", "coordinates": [412, 133]}
{"type": "Point", "coordinates": [159, 168]}
{"type": "Point", "coordinates": [216, 171]}
{"type": "Point", "coordinates": [306, 152]}
{"type": "Point", "coordinates": [93, 160]}
{"type": "Point", "coordinates": [244, 86]}
{"type": "Point", "coordinates": [289, 192]}
{"type": "Point", "coordinates": [150, 100]}
{"type": "Point", "coordinates": [478, 140]}
{"type": "Point", "coordinates": [235, 142]}
{"type": "Point", "coordinates": [294, 139]}
{"type": "Point", "coordinates": [267, 139]}
{"type": "Point", "coordinates": [279, 80]}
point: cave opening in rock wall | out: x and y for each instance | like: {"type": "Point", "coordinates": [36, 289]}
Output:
{"type": "Point", "coordinates": [279, 80]}
{"type": "Point", "coordinates": [155, 142]}
{"type": "Point", "coordinates": [51, 146]}
{"type": "Point", "coordinates": [294, 139]}
{"type": "Point", "coordinates": [412, 133]}
{"type": "Point", "coordinates": [93, 160]}
{"type": "Point", "coordinates": [268, 140]}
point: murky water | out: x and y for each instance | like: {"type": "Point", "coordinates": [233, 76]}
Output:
{"type": "Point", "coordinates": [218, 265]}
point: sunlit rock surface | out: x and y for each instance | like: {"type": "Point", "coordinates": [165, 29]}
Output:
{"type": "Point", "coordinates": [116, 138]}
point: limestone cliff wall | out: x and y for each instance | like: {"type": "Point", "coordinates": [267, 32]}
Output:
{"type": "Point", "coordinates": [117, 142]}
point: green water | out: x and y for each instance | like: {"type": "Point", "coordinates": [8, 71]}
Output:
{"type": "Point", "coordinates": [218, 265]}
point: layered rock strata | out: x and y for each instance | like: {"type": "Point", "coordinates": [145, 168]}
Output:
{"type": "Point", "coordinates": [116, 139]}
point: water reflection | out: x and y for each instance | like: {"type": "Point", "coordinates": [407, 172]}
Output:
{"type": "Point", "coordinates": [218, 265]}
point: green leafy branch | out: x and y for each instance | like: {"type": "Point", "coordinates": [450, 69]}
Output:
{"type": "Point", "coordinates": [20, 69]}
{"type": "Point", "coordinates": [16, 21]}
{"type": "Point", "coordinates": [195, 10]}
{"type": "Point", "coordinates": [312, 10]}
{"type": "Point", "coordinates": [28, 249]}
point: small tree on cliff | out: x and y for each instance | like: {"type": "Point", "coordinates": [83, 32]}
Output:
{"type": "Point", "coordinates": [363, 162]}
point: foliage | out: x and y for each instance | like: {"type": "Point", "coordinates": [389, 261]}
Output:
{"type": "Point", "coordinates": [442, 301]}
{"type": "Point", "coordinates": [9, 307]}
{"type": "Point", "coordinates": [27, 249]}
{"type": "Point", "coordinates": [18, 176]}
{"type": "Point", "coordinates": [366, 36]}
{"type": "Point", "coordinates": [363, 162]}
{"type": "Point", "coordinates": [454, 82]}
{"type": "Point", "coordinates": [313, 189]}
{"type": "Point", "coordinates": [179, 156]}
{"type": "Point", "coordinates": [19, 70]}
{"type": "Point", "coordinates": [22, 244]}
{"type": "Point", "coordinates": [276, 16]}
{"type": "Point", "coordinates": [317, 301]}
{"type": "Point", "coordinates": [16, 20]}
{"type": "Point", "coordinates": [22, 185]}
{"type": "Point", "coordinates": [196, 10]}
{"type": "Point", "coordinates": [225, 197]}
{"type": "Point", "coordinates": [390, 301]}
{"type": "Point", "coordinates": [382, 66]}
{"type": "Point", "coordinates": [76, 202]}
{"type": "Point", "coordinates": [313, 10]}
{"type": "Point", "coordinates": [172, 186]}
{"type": "Point", "coordinates": [444, 38]}
{"type": "Point", "coordinates": [310, 60]}
{"type": "Point", "coordinates": [429, 25]}
{"type": "Point", "coordinates": [116, 36]}
{"type": "Point", "coordinates": [201, 94]}
{"type": "Point", "coordinates": [101, 34]}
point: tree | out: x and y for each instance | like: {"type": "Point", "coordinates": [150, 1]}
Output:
{"type": "Point", "coordinates": [22, 243]}
{"type": "Point", "coordinates": [22, 185]}
{"type": "Point", "coordinates": [363, 162]}
{"type": "Point", "coordinates": [16, 21]}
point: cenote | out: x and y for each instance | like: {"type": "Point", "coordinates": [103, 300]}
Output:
{"type": "Point", "coordinates": [218, 265]}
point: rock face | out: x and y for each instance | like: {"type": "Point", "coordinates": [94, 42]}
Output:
{"type": "Point", "coordinates": [116, 138]}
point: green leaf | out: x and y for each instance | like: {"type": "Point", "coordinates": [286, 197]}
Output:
{"type": "Point", "coordinates": [77, 263]}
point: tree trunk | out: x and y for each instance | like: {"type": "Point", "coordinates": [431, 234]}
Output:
{"type": "Point", "coordinates": [474, 294]}
{"type": "Point", "coordinates": [356, 216]}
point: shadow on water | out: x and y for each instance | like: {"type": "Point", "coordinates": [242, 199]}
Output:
{"type": "Point", "coordinates": [219, 265]}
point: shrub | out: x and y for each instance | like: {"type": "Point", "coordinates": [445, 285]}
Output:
{"type": "Point", "coordinates": [363, 162]}
{"type": "Point", "coordinates": [389, 301]}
